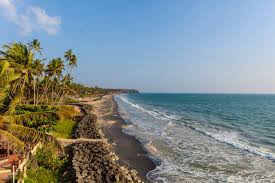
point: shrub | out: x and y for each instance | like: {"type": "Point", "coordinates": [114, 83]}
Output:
{"type": "Point", "coordinates": [22, 109]}
{"type": "Point", "coordinates": [41, 175]}
{"type": "Point", "coordinates": [46, 158]}
{"type": "Point", "coordinates": [40, 117]}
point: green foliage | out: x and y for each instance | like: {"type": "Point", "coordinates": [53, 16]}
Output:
{"type": "Point", "coordinates": [21, 109]}
{"type": "Point", "coordinates": [64, 129]}
{"type": "Point", "coordinates": [46, 167]}
{"type": "Point", "coordinates": [47, 159]}
{"type": "Point", "coordinates": [39, 117]}
{"type": "Point", "coordinates": [26, 80]}
{"type": "Point", "coordinates": [41, 175]}
{"type": "Point", "coordinates": [83, 90]}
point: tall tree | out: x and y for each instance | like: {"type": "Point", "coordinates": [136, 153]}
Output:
{"type": "Point", "coordinates": [54, 70]}
{"type": "Point", "coordinates": [21, 59]}
{"type": "Point", "coordinates": [35, 45]}
{"type": "Point", "coordinates": [71, 59]}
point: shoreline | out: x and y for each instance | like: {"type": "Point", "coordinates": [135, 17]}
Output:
{"type": "Point", "coordinates": [130, 151]}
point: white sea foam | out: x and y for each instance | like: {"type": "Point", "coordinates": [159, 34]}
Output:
{"type": "Point", "coordinates": [231, 138]}
{"type": "Point", "coordinates": [174, 138]}
{"type": "Point", "coordinates": [156, 114]}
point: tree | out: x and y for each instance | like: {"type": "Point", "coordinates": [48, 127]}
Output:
{"type": "Point", "coordinates": [54, 70]}
{"type": "Point", "coordinates": [35, 45]}
{"type": "Point", "coordinates": [71, 59]}
{"type": "Point", "coordinates": [20, 59]}
{"type": "Point", "coordinates": [25, 80]}
{"type": "Point", "coordinates": [16, 136]}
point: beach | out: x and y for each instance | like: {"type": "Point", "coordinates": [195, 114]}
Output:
{"type": "Point", "coordinates": [129, 150]}
{"type": "Point", "coordinates": [204, 137]}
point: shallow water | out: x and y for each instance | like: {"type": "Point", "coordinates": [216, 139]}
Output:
{"type": "Point", "coordinates": [205, 137]}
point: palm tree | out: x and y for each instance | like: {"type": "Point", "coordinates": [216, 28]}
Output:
{"type": "Point", "coordinates": [8, 76]}
{"type": "Point", "coordinates": [37, 70]}
{"type": "Point", "coordinates": [12, 132]}
{"type": "Point", "coordinates": [73, 61]}
{"type": "Point", "coordinates": [68, 54]}
{"type": "Point", "coordinates": [21, 59]}
{"type": "Point", "coordinates": [19, 137]}
{"type": "Point", "coordinates": [65, 86]}
{"type": "Point", "coordinates": [55, 68]}
{"type": "Point", "coordinates": [71, 58]}
{"type": "Point", "coordinates": [54, 71]}
{"type": "Point", "coordinates": [23, 77]}
{"type": "Point", "coordinates": [35, 45]}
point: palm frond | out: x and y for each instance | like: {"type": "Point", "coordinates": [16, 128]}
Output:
{"type": "Point", "coordinates": [12, 105]}
{"type": "Point", "coordinates": [3, 96]}
{"type": "Point", "coordinates": [26, 134]}
{"type": "Point", "coordinates": [4, 66]}
{"type": "Point", "coordinates": [32, 136]}
{"type": "Point", "coordinates": [14, 143]}
{"type": "Point", "coordinates": [32, 116]}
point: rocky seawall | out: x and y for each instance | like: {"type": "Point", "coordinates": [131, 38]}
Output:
{"type": "Point", "coordinates": [92, 161]}
{"type": "Point", "coordinates": [87, 128]}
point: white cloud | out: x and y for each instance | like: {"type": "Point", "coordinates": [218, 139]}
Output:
{"type": "Point", "coordinates": [45, 22]}
{"type": "Point", "coordinates": [33, 19]}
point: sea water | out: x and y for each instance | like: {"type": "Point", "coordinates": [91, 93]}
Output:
{"type": "Point", "coordinates": [204, 137]}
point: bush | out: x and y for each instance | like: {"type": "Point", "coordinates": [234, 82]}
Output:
{"type": "Point", "coordinates": [46, 166]}
{"type": "Point", "coordinates": [41, 175]}
{"type": "Point", "coordinates": [39, 117]}
{"type": "Point", "coordinates": [22, 109]}
{"type": "Point", "coordinates": [47, 159]}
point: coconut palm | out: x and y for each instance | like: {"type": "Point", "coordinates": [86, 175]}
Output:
{"type": "Point", "coordinates": [73, 61]}
{"type": "Point", "coordinates": [54, 71]}
{"type": "Point", "coordinates": [65, 86]}
{"type": "Point", "coordinates": [35, 45]}
{"type": "Point", "coordinates": [71, 58]}
{"type": "Point", "coordinates": [7, 75]}
{"type": "Point", "coordinates": [37, 70]}
{"type": "Point", "coordinates": [68, 54]}
{"type": "Point", "coordinates": [19, 137]}
{"type": "Point", "coordinates": [55, 68]}
{"type": "Point", "coordinates": [23, 78]}
{"type": "Point", "coordinates": [20, 58]}
{"type": "Point", "coordinates": [12, 132]}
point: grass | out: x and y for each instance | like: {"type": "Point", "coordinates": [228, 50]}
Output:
{"type": "Point", "coordinates": [41, 175]}
{"type": "Point", "coordinates": [67, 112]}
{"type": "Point", "coordinates": [64, 128]}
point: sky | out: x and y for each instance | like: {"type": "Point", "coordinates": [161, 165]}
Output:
{"type": "Point", "coordinates": [187, 46]}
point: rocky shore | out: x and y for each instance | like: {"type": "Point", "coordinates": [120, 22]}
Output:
{"type": "Point", "coordinates": [87, 128]}
{"type": "Point", "coordinates": [93, 161]}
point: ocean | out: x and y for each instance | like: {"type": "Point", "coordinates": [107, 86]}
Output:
{"type": "Point", "coordinates": [204, 137]}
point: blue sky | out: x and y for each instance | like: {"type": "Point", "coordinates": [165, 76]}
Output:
{"type": "Point", "coordinates": [154, 45]}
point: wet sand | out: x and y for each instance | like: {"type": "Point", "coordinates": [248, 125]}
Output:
{"type": "Point", "coordinates": [129, 150]}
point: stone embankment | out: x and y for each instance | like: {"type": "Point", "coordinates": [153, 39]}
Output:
{"type": "Point", "coordinates": [92, 161]}
{"type": "Point", "coordinates": [87, 128]}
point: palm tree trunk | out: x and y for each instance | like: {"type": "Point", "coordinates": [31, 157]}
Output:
{"type": "Point", "coordinates": [46, 90]}
{"type": "Point", "coordinates": [34, 102]}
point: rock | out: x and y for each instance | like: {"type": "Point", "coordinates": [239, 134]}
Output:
{"type": "Point", "coordinates": [93, 162]}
